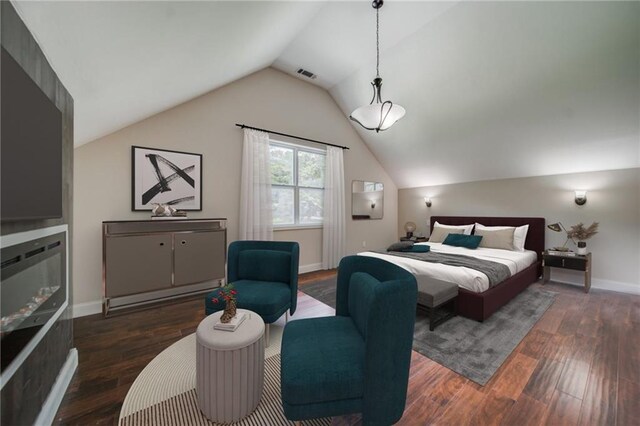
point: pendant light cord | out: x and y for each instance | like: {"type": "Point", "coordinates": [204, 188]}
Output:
{"type": "Point", "coordinates": [378, 42]}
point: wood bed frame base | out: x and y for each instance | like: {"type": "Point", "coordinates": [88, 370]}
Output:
{"type": "Point", "coordinates": [480, 306]}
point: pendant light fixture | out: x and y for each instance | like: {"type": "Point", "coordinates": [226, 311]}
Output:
{"type": "Point", "coordinates": [378, 115]}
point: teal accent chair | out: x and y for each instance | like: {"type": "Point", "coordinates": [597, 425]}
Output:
{"type": "Point", "coordinates": [265, 274]}
{"type": "Point", "coordinates": [357, 361]}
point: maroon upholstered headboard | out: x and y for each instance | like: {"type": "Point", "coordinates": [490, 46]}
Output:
{"type": "Point", "coordinates": [535, 235]}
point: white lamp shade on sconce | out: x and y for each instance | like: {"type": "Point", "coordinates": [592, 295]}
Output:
{"type": "Point", "coordinates": [427, 201]}
{"type": "Point", "coordinates": [580, 197]}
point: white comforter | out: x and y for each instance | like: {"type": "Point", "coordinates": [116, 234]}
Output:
{"type": "Point", "coordinates": [467, 278]}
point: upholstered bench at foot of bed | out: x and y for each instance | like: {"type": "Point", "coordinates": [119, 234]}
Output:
{"type": "Point", "coordinates": [434, 295]}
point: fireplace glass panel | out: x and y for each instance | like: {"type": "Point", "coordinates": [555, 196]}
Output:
{"type": "Point", "coordinates": [32, 290]}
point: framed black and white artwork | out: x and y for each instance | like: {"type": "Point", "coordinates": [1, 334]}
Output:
{"type": "Point", "coordinates": [165, 177]}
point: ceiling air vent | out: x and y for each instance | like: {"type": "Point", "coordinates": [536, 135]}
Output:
{"type": "Point", "coordinates": [307, 74]}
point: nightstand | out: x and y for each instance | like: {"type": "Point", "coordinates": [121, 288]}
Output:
{"type": "Point", "coordinates": [415, 239]}
{"type": "Point", "coordinates": [577, 263]}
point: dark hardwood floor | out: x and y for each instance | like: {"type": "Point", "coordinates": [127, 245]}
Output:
{"type": "Point", "coordinates": [580, 364]}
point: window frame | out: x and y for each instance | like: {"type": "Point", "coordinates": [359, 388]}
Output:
{"type": "Point", "coordinates": [296, 188]}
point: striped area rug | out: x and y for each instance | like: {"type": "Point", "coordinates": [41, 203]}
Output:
{"type": "Point", "coordinates": [164, 393]}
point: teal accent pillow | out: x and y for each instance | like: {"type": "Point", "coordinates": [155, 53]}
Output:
{"type": "Point", "coordinates": [460, 240]}
{"type": "Point", "coordinates": [422, 248]}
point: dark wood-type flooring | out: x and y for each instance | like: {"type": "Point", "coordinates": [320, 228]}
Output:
{"type": "Point", "coordinates": [580, 364]}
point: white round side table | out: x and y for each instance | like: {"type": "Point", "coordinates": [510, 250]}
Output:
{"type": "Point", "coordinates": [229, 368]}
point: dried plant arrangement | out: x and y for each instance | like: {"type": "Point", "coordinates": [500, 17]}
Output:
{"type": "Point", "coordinates": [580, 233]}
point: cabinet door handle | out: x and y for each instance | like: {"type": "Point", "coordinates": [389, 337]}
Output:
{"type": "Point", "coordinates": [183, 242]}
{"type": "Point", "coordinates": [563, 263]}
{"type": "Point", "coordinates": [161, 244]}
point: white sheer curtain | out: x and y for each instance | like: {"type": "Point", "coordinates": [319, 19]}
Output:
{"type": "Point", "coordinates": [256, 217]}
{"type": "Point", "coordinates": [334, 226]}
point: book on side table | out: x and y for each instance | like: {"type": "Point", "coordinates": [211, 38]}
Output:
{"type": "Point", "coordinates": [561, 253]}
{"type": "Point", "coordinates": [231, 325]}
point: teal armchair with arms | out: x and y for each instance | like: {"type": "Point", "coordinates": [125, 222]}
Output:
{"type": "Point", "coordinates": [265, 274]}
{"type": "Point", "coordinates": [357, 361]}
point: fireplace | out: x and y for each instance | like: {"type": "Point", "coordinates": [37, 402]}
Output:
{"type": "Point", "coordinates": [33, 292]}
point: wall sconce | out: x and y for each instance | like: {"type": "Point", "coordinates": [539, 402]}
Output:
{"type": "Point", "coordinates": [581, 198]}
{"type": "Point", "coordinates": [427, 201]}
{"type": "Point", "coordinates": [373, 205]}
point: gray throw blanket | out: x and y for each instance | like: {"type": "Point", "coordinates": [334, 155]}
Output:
{"type": "Point", "coordinates": [496, 272]}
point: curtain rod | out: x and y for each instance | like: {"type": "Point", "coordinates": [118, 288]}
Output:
{"type": "Point", "coordinates": [242, 126]}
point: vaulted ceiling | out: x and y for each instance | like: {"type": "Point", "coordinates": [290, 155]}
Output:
{"type": "Point", "coordinates": [492, 89]}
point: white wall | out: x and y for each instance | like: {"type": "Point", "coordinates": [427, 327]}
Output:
{"type": "Point", "coordinates": [269, 99]}
{"type": "Point", "coordinates": [310, 241]}
{"type": "Point", "coordinates": [550, 86]}
{"type": "Point", "coordinates": [613, 199]}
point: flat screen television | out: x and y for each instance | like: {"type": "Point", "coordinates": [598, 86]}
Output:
{"type": "Point", "coordinates": [30, 147]}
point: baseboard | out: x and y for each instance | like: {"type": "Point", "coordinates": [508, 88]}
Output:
{"type": "Point", "coordinates": [87, 308]}
{"type": "Point", "coordinates": [50, 408]}
{"type": "Point", "coordinates": [310, 268]}
{"type": "Point", "coordinates": [95, 307]}
{"type": "Point", "coordinates": [601, 284]}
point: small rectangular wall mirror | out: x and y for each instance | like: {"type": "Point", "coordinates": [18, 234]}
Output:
{"type": "Point", "coordinates": [367, 200]}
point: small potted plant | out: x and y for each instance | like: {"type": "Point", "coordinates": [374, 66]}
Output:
{"type": "Point", "coordinates": [581, 234]}
{"type": "Point", "coordinates": [228, 294]}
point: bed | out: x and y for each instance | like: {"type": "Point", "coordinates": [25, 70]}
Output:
{"type": "Point", "coordinates": [475, 299]}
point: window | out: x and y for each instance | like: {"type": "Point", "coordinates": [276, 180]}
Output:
{"type": "Point", "coordinates": [373, 186]}
{"type": "Point", "coordinates": [297, 185]}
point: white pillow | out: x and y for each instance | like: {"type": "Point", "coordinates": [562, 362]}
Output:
{"type": "Point", "coordinates": [439, 234]}
{"type": "Point", "coordinates": [466, 229]}
{"type": "Point", "coordinates": [519, 235]}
